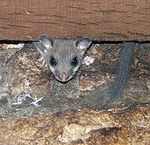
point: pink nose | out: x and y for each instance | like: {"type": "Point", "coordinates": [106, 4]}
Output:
{"type": "Point", "coordinates": [64, 76]}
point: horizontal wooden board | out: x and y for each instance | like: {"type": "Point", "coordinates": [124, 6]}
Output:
{"type": "Point", "coordinates": [101, 19]}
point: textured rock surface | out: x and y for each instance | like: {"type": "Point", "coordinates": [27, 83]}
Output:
{"type": "Point", "coordinates": [82, 127]}
{"type": "Point", "coordinates": [36, 109]}
{"type": "Point", "coordinates": [28, 74]}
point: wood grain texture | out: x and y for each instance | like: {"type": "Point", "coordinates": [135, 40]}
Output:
{"type": "Point", "coordinates": [110, 20]}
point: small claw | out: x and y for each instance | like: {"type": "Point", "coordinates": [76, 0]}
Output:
{"type": "Point", "coordinates": [40, 59]}
{"type": "Point", "coordinates": [43, 63]}
{"type": "Point", "coordinates": [46, 64]}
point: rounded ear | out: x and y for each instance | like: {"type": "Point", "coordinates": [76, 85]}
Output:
{"type": "Point", "coordinates": [83, 43]}
{"type": "Point", "coordinates": [46, 41]}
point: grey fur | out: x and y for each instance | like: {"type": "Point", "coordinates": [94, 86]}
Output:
{"type": "Point", "coordinates": [123, 71]}
{"type": "Point", "coordinates": [63, 50]}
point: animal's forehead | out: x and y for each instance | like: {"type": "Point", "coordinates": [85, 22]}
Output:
{"type": "Point", "coordinates": [64, 43]}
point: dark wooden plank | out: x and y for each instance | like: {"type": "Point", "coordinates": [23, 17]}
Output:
{"type": "Point", "coordinates": [111, 20]}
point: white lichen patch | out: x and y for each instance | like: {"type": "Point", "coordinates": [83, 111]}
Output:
{"type": "Point", "coordinates": [36, 101]}
{"type": "Point", "coordinates": [26, 94]}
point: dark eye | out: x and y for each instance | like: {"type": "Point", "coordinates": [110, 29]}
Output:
{"type": "Point", "coordinates": [74, 61]}
{"type": "Point", "coordinates": [53, 61]}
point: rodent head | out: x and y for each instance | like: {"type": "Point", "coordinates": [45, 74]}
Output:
{"type": "Point", "coordinates": [63, 56]}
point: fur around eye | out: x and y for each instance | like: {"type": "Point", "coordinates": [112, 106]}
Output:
{"type": "Point", "coordinates": [74, 61]}
{"type": "Point", "coordinates": [53, 61]}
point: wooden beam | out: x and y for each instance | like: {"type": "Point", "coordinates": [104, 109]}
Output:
{"type": "Point", "coordinates": [101, 19]}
